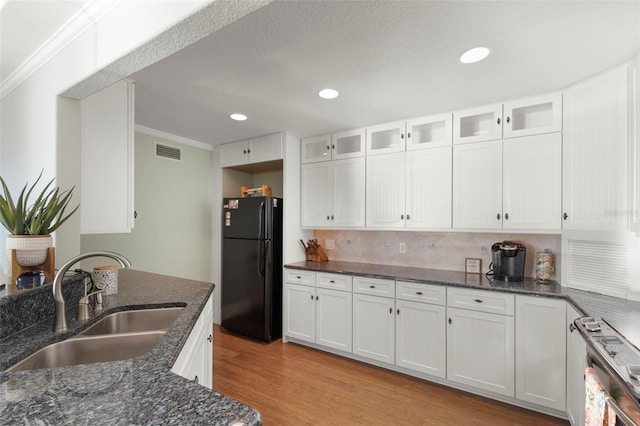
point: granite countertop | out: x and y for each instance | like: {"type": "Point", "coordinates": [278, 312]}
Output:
{"type": "Point", "coordinates": [142, 390]}
{"type": "Point", "coordinates": [621, 314]}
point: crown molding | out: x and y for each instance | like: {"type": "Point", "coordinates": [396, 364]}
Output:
{"type": "Point", "coordinates": [77, 24]}
{"type": "Point", "coordinates": [171, 137]}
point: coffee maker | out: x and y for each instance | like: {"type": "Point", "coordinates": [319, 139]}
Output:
{"type": "Point", "coordinates": [508, 261]}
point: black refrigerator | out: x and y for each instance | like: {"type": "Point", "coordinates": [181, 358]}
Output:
{"type": "Point", "coordinates": [251, 301]}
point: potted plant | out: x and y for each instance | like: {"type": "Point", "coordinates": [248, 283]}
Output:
{"type": "Point", "coordinates": [31, 223]}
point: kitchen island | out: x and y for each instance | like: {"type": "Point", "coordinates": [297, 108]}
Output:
{"type": "Point", "coordinates": [142, 390]}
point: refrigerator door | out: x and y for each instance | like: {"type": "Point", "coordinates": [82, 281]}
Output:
{"type": "Point", "coordinates": [246, 289]}
{"type": "Point", "coordinates": [247, 217]}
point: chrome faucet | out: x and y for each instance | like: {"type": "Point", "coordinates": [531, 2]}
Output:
{"type": "Point", "coordinates": [60, 323]}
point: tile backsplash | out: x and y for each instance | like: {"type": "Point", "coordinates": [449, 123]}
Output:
{"type": "Point", "coordinates": [433, 250]}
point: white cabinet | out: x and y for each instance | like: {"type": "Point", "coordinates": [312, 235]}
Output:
{"type": "Point", "coordinates": [373, 319]}
{"type": "Point", "coordinates": [477, 185]}
{"type": "Point", "coordinates": [195, 361]}
{"type": "Point", "coordinates": [419, 133]}
{"type": "Point", "coordinates": [421, 328]}
{"type": "Point", "coordinates": [534, 115]}
{"type": "Point", "coordinates": [386, 138]}
{"type": "Point", "coordinates": [477, 124]}
{"type": "Point", "coordinates": [576, 365]}
{"type": "Point", "coordinates": [257, 150]}
{"type": "Point", "coordinates": [595, 156]}
{"type": "Point", "coordinates": [541, 354]}
{"type": "Point", "coordinates": [480, 344]}
{"type": "Point", "coordinates": [332, 193]}
{"type": "Point", "coordinates": [318, 308]}
{"type": "Point", "coordinates": [338, 146]}
{"type": "Point", "coordinates": [411, 189]}
{"type": "Point", "coordinates": [508, 184]}
{"type": "Point", "coordinates": [107, 166]}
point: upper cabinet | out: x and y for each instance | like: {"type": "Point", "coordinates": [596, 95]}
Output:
{"type": "Point", "coordinates": [349, 144]}
{"type": "Point", "coordinates": [520, 117]}
{"type": "Point", "coordinates": [107, 160]}
{"type": "Point", "coordinates": [595, 156]}
{"type": "Point", "coordinates": [257, 150]}
{"type": "Point", "coordinates": [418, 133]}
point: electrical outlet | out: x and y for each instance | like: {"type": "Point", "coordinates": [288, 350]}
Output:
{"type": "Point", "coordinates": [431, 246]}
{"type": "Point", "coordinates": [403, 247]}
{"type": "Point", "coordinates": [329, 244]}
{"type": "Point", "coordinates": [348, 242]}
{"type": "Point", "coordinates": [484, 249]}
{"type": "Point", "coordinates": [387, 243]}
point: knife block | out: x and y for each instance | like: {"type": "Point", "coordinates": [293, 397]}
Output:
{"type": "Point", "coordinates": [318, 255]}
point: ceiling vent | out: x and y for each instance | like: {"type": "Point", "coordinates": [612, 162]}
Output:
{"type": "Point", "coordinates": [168, 152]}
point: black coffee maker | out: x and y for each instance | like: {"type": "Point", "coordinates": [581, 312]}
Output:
{"type": "Point", "coordinates": [508, 261]}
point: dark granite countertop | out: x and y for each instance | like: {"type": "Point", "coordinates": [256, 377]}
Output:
{"type": "Point", "coordinates": [138, 391]}
{"type": "Point", "coordinates": [621, 314]}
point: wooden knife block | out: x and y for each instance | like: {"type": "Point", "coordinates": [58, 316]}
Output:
{"type": "Point", "coordinates": [318, 256]}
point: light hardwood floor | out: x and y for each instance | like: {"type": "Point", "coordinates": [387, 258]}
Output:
{"type": "Point", "coordinates": [294, 385]}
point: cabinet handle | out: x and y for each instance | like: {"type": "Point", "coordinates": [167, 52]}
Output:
{"type": "Point", "coordinates": [498, 121]}
{"type": "Point", "coordinates": [328, 147]}
{"type": "Point", "coordinates": [298, 277]}
{"type": "Point", "coordinates": [398, 311]}
{"type": "Point", "coordinates": [332, 281]}
{"type": "Point", "coordinates": [195, 380]}
{"type": "Point", "coordinates": [210, 338]}
{"type": "Point", "coordinates": [333, 146]}
{"type": "Point", "coordinates": [248, 151]}
{"type": "Point", "coordinates": [449, 320]}
{"type": "Point", "coordinates": [506, 216]}
{"type": "Point", "coordinates": [312, 297]}
{"type": "Point", "coordinates": [572, 327]}
{"type": "Point", "coordinates": [317, 297]}
{"type": "Point", "coordinates": [565, 216]}
{"type": "Point", "coordinates": [391, 310]}
{"type": "Point", "coordinates": [327, 217]}
{"type": "Point", "coordinates": [508, 119]}
{"type": "Point", "coordinates": [401, 135]}
{"type": "Point", "coordinates": [498, 216]}
{"type": "Point", "coordinates": [372, 286]}
{"type": "Point", "coordinates": [331, 217]}
{"type": "Point", "coordinates": [419, 293]}
{"type": "Point", "coordinates": [402, 217]}
{"type": "Point", "coordinates": [408, 135]}
{"type": "Point", "coordinates": [244, 151]}
{"type": "Point", "coordinates": [478, 300]}
{"type": "Point", "coordinates": [408, 217]}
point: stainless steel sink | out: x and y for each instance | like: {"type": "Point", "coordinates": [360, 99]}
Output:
{"type": "Point", "coordinates": [135, 321]}
{"type": "Point", "coordinates": [90, 350]}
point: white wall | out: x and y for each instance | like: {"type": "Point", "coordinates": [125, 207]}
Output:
{"type": "Point", "coordinates": [172, 233]}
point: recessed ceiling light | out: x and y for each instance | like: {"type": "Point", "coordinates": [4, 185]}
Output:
{"type": "Point", "coordinates": [328, 94]}
{"type": "Point", "coordinates": [474, 55]}
{"type": "Point", "coordinates": [238, 117]}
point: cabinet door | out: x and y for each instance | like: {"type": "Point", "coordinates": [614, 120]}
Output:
{"type": "Point", "coordinates": [374, 327]}
{"type": "Point", "coordinates": [541, 351]}
{"type": "Point", "coordinates": [316, 149]}
{"type": "Point", "coordinates": [477, 185]}
{"type": "Point", "coordinates": [334, 319]}
{"type": "Point", "coordinates": [300, 312]}
{"type": "Point", "coordinates": [107, 160]}
{"type": "Point", "coordinates": [386, 191]}
{"type": "Point", "coordinates": [532, 182]}
{"type": "Point", "coordinates": [233, 154]}
{"type": "Point", "coordinates": [576, 364]}
{"type": "Point", "coordinates": [386, 138]}
{"type": "Point", "coordinates": [316, 196]}
{"type": "Point", "coordinates": [348, 192]}
{"type": "Point", "coordinates": [348, 144]}
{"type": "Point", "coordinates": [421, 337]}
{"type": "Point", "coordinates": [429, 132]}
{"type": "Point", "coordinates": [265, 148]}
{"type": "Point", "coordinates": [595, 153]}
{"type": "Point", "coordinates": [534, 115]}
{"type": "Point", "coordinates": [428, 203]}
{"type": "Point", "coordinates": [480, 350]}
{"type": "Point", "coordinates": [478, 124]}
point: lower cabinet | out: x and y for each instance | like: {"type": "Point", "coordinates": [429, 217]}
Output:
{"type": "Point", "coordinates": [333, 319]}
{"type": "Point", "coordinates": [576, 364]}
{"type": "Point", "coordinates": [195, 361]}
{"type": "Point", "coordinates": [541, 351]}
{"type": "Point", "coordinates": [373, 319]}
{"type": "Point", "coordinates": [300, 312]}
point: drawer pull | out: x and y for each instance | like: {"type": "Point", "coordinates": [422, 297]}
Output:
{"type": "Point", "coordinates": [372, 286]}
{"type": "Point", "coordinates": [298, 277]}
{"type": "Point", "coordinates": [332, 281]}
{"type": "Point", "coordinates": [478, 300]}
{"type": "Point", "coordinates": [419, 293]}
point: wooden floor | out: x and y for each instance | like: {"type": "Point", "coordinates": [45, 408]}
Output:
{"type": "Point", "coordinates": [295, 385]}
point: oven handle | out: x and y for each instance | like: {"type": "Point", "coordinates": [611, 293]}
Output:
{"type": "Point", "coordinates": [591, 360]}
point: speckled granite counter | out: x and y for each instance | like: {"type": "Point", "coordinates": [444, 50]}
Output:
{"type": "Point", "coordinates": [621, 314]}
{"type": "Point", "coordinates": [133, 392]}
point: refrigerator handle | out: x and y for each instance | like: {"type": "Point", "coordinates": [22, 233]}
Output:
{"type": "Point", "coordinates": [261, 256]}
{"type": "Point", "coordinates": [261, 222]}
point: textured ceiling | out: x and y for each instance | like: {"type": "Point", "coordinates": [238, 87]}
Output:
{"type": "Point", "coordinates": [390, 60]}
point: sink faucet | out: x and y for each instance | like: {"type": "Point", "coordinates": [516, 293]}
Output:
{"type": "Point", "coordinates": [60, 323]}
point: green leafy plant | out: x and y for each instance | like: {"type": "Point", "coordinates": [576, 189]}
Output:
{"type": "Point", "coordinates": [45, 215]}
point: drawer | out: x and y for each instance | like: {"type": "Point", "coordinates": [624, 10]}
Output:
{"type": "Point", "coordinates": [374, 286]}
{"type": "Point", "coordinates": [297, 276]}
{"type": "Point", "coordinates": [425, 293]}
{"type": "Point", "coordinates": [334, 281]}
{"type": "Point", "coordinates": [482, 301]}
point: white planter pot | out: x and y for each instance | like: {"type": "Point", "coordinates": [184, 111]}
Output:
{"type": "Point", "coordinates": [31, 250]}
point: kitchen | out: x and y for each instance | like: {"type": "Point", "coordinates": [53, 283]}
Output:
{"type": "Point", "coordinates": [379, 114]}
